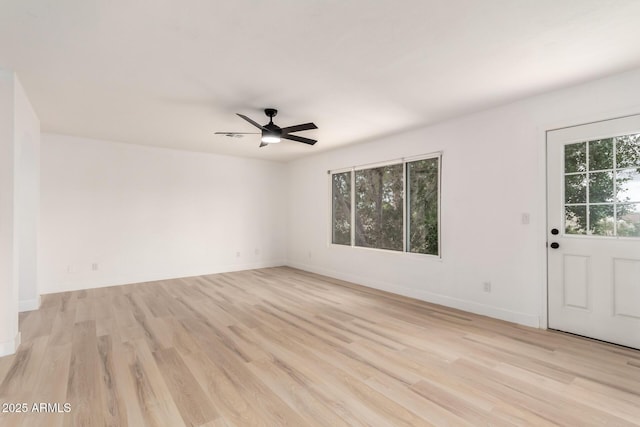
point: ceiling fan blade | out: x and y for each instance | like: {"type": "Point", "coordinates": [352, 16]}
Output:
{"type": "Point", "coordinates": [299, 139]}
{"type": "Point", "coordinates": [298, 128]}
{"type": "Point", "coordinates": [253, 122]}
{"type": "Point", "coordinates": [263, 144]}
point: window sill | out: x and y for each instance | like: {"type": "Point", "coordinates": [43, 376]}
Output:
{"type": "Point", "coordinates": [430, 257]}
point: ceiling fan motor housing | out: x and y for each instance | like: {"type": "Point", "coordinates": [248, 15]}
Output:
{"type": "Point", "coordinates": [271, 130]}
{"type": "Point", "coordinates": [272, 127]}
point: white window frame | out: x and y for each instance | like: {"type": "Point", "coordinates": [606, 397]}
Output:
{"type": "Point", "coordinates": [404, 161]}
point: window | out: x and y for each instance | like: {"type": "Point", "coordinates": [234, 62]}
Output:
{"type": "Point", "coordinates": [422, 205]}
{"type": "Point", "coordinates": [379, 207]}
{"type": "Point", "coordinates": [382, 217]}
{"type": "Point", "coordinates": [602, 187]}
{"type": "Point", "coordinates": [341, 208]}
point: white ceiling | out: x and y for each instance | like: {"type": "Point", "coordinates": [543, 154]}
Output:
{"type": "Point", "coordinates": [170, 73]}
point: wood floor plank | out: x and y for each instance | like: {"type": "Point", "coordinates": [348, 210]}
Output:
{"type": "Point", "coordinates": [5, 365]}
{"type": "Point", "coordinates": [154, 398]}
{"type": "Point", "coordinates": [297, 391]}
{"type": "Point", "coordinates": [51, 384]}
{"type": "Point", "coordinates": [20, 382]}
{"type": "Point", "coordinates": [269, 405]}
{"type": "Point", "coordinates": [125, 384]}
{"type": "Point", "coordinates": [62, 327]}
{"type": "Point", "coordinates": [83, 384]}
{"type": "Point", "coordinates": [193, 404]}
{"type": "Point", "coordinates": [326, 380]}
{"type": "Point", "coordinates": [284, 347]}
{"type": "Point", "coordinates": [429, 411]}
{"type": "Point", "coordinates": [113, 406]}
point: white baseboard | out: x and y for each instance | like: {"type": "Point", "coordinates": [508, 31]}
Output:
{"type": "Point", "coordinates": [29, 304]}
{"type": "Point", "coordinates": [127, 280]}
{"type": "Point", "coordinates": [460, 304]}
{"type": "Point", "coordinates": [10, 347]}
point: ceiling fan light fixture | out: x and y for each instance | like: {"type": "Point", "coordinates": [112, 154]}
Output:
{"type": "Point", "coordinates": [270, 138]}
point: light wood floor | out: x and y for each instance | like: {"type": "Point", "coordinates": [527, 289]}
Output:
{"type": "Point", "coordinates": [278, 347]}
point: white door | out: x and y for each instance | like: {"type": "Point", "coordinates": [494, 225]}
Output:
{"type": "Point", "coordinates": [593, 249]}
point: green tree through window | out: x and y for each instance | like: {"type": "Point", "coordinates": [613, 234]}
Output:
{"type": "Point", "coordinates": [341, 208]}
{"type": "Point", "coordinates": [379, 207]}
{"type": "Point", "coordinates": [422, 186]}
{"type": "Point", "coordinates": [382, 212]}
{"type": "Point", "coordinates": [602, 187]}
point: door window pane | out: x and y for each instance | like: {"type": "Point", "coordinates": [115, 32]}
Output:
{"type": "Point", "coordinates": [628, 185]}
{"type": "Point", "coordinates": [628, 220]}
{"type": "Point", "coordinates": [575, 220]}
{"type": "Point", "coordinates": [379, 207]}
{"type": "Point", "coordinates": [628, 151]}
{"type": "Point", "coordinates": [341, 208]}
{"type": "Point", "coordinates": [601, 220]}
{"type": "Point", "coordinates": [575, 188]}
{"type": "Point", "coordinates": [601, 187]}
{"type": "Point", "coordinates": [422, 189]}
{"type": "Point", "coordinates": [601, 154]}
{"type": "Point", "coordinates": [575, 157]}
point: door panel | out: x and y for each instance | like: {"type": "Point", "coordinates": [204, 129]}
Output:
{"type": "Point", "coordinates": [576, 281]}
{"type": "Point", "coordinates": [593, 190]}
{"type": "Point", "coordinates": [626, 287]}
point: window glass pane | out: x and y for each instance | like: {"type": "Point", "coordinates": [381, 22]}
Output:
{"type": "Point", "coordinates": [628, 220]}
{"type": "Point", "coordinates": [601, 154]}
{"type": "Point", "coordinates": [628, 151]}
{"type": "Point", "coordinates": [601, 220]}
{"type": "Point", "coordinates": [575, 188]}
{"type": "Point", "coordinates": [422, 189]}
{"type": "Point", "coordinates": [575, 221]}
{"type": "Point", "coordinates": [341, 208]}
{"type": "Point", "coordinates": [379, 207]}
{"type": "Point", "coordinates": [575, 157]}
{"type": "Point", "coordinates": [601, 187]}
{"type": "Point", "coordinates": [628, 185]}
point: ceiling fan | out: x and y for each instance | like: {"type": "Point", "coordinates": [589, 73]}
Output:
{"type": "Point", "coordinates": [272, 133]}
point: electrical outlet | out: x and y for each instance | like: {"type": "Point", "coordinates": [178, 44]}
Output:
{"type": "Point", "coordinates": [486, 286]}
{"type": "Point", "coordinates": [94, 266]}
{"type": "Point", "coordinates": [526, 218]}
{"type": "Point", "coordinates": [237, 254]}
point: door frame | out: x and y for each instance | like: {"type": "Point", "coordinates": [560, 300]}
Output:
{"type": "Point", "coordinates": [543, 197]}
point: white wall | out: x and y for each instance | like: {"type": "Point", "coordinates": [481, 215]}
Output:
{"type": "Point", "coordinates": [144, 213]}
{"type": "Point", "coordinates": [493, 171]}
{"type": "Point", "coordinates": [19, 136]}
{"type": "Point", "coordinates": [27, 139]}
{"type": "Point", "coordinates": [9, 337]}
